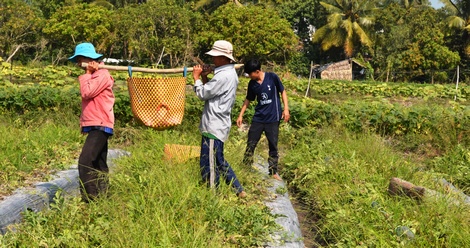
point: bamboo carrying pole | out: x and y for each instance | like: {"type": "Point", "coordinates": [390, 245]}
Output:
{"type": "Point", "coordinates": [141, 69]}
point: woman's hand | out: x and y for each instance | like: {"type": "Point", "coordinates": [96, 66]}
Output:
{"type": "Point", "coordinates": [91, 67]}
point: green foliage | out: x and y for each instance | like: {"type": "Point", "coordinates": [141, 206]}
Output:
{"type": "Point", "coordinates": [124, 3]}
{"type": "Point", "coordinates": [305, 16]}
{"type": "Point", "coordinates": [337, 155]}
{"type": "Point", "coordinates": [391, 35]}
{"type": "Point", "coordinates": [340, 160]}
{"type": "Point", "coordinates": [380, 89]}
{"type": "Point", "coordinates": [20, 26]}
{"type": "Point", "coordinates": [33, 98]}
{"type": "Point", "coordinates": [193, 108]}
{"type": "Point", "coordinates": [346, 27]}
{"type": "Point", "coordinates": [429, 122]}
{"type": "Point", "coordinates": [152, 203]}
{"type": "Point", "coordinates": [427, 50]}
{"type": "Point", "coordinates": [51, 76]}
{"type": "Point", "coordinates": [210, 6]}
{"type": "Point", "coordinates": [254, 31]}
{"type": "Point", "coordinates": [35, 143]}
{"type": "Point", "coordinates": [460, 11]}
{"type": "Point", "coordinates": [458, 26]}
{"type": "Point", "coordinates": [455, 163]}
{"type": "Point", "coordinates": [343, 179]}
{"type": "Point", "coordinates": [38, 98]}
{"type": "Point", "coordinates": [299, 65]}
{"type": "Point", "coordinates": [48, 7]}
{"type": "Point", "coordinates": [171, 33]}
{"type": "Point", "coordinates": [164, 29]}
{"type": "Point", "coordinates": [52, 89]}
{"type": "Point", "coordinates": [77, 23]}
{"type": "Point", "coordinates": [410, 44]}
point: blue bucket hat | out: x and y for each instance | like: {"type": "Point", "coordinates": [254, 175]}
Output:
{"type": "Point", "coordinates": [85, 50]}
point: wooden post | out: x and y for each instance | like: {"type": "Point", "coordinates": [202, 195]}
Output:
{"type": "Point", "coordinates": [351, 71]}
{"type": "Point", "coordinates": [309, 78]}
{"type": "Point", "coordinates": [398, 186]}
{"type": "Point", "coordinates": [457, 83]}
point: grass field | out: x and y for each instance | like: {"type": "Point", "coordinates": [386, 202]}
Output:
{"type": "Point", "coordinates": [153, 203]}
{"type": "Point", "coordinates": [338, 168]}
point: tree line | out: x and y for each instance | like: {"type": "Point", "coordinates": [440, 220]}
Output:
{"type": "Point", "coordinates": [395, 40]}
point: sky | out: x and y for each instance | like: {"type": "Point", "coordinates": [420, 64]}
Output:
{"type": "Point", "coordinates": [436, 4]}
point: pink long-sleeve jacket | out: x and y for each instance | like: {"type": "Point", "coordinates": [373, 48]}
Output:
{"type": "Point", "coordinates": [97, 99]}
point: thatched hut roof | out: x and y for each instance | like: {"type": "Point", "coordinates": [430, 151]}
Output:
{"type": "Point", "coordinates": [341, 70]}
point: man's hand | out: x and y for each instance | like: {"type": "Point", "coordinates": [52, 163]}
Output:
{"type": "Point", "coordinates": [286, 115]}
{"type": "Point", "coordinates": [239, 121]}
{"type": "Point", "coordinates": [197, 70]}
{"type": "Point", "coordinates": [206, 69]}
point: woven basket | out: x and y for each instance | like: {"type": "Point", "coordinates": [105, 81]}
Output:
{"type": "Point", "coordinates": [157, 102]}
{"type": "Point", "coordinates": [180, 153]}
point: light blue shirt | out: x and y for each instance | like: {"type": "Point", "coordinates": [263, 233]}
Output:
{"type": "Point", "coordinates": [219, 96]}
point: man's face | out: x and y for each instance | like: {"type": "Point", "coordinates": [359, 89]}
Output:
{"type": "Point", "coordinates": [255, 75]}
{"type": "Point", "coordinates": [220, 60]}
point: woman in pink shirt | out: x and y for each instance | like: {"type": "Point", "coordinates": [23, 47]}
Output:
{"type": "Point", "coordinates": [96, 120]}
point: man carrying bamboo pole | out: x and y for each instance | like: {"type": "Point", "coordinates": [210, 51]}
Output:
{"type": "Point", "coordinates": [218, 95]}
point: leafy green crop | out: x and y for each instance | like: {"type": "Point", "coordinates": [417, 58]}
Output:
{"type": "Point", "coordinates": [364, 88]}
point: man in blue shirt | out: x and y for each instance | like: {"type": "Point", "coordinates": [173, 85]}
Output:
{"type": "Point", "coordinates": [267, 89]}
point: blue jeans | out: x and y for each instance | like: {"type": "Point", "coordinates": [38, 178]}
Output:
{"type": "Point", "coordinates": [220, 168]}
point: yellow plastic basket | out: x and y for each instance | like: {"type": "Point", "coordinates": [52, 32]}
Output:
{"type": "Point", "coordinates": [157, 102]}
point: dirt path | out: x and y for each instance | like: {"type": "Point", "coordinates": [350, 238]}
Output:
{"type": "Point", "coordinates": [307, 223]}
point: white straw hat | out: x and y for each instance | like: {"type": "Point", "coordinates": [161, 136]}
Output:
{"type": "Point", "coordinates": [222, 48]}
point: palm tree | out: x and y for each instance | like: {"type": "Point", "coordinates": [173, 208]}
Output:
{"type": "Point", "coordinates": [459, 19]}
{"type": "Point", "coordinates": [460, 10]}
{"type": "Point", "coordinates": [345, 24]}
{"type": "Point", "coordinates": [407, 4]}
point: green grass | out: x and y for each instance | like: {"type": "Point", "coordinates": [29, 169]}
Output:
{"type": "Point", "coordinates": [344, 177]}
{"type": "Point", "coordinates": [35, 144]}
{"type": "Point", "coordinates": [155, 203]}
{"type": "Point", "coordinates": [340, 174]}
